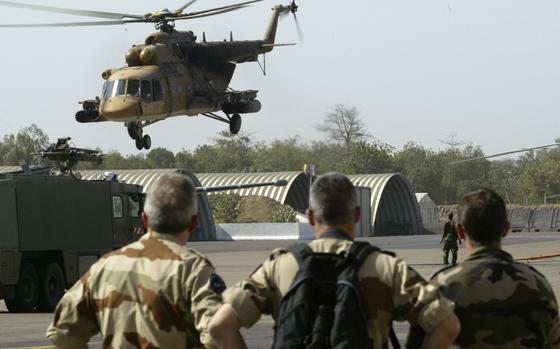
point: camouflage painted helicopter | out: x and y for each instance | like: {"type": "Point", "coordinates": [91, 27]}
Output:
{"type": "Point", "coordinates": [171, 74]}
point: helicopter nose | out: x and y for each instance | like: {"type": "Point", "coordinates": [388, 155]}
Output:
{"type": "Point", "coordinates": [121, 109]}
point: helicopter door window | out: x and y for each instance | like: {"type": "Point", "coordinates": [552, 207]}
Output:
{"type": "Point", "coordinates": [158, 91]}
{"type": "Point", "coordinates": [108, 89]}
{"type": "Point", "coordinates": [133, 88]}
{"type": "Point", "coordinates": [120, 88]}
{"type": "Point", "coordinates": [146, 90]}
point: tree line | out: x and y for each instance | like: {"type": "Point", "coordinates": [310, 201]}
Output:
{"type": "Point", "coordinates": [526, 180]}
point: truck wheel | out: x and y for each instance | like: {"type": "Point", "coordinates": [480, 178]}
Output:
{"type": "Point", "coordinates": [52, 287]}
{"type": "Point", "coordinates": [27, 290]}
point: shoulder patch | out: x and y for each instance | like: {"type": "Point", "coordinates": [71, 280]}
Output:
{"type": "Point", "coordinates": [217, 283]}
{"type": "Point", "coordinates": [447, 267]}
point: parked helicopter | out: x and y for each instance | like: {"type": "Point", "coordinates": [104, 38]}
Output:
{"type": "Point", "coordinates": [171, 73]}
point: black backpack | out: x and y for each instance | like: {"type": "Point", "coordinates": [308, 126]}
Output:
{"type": "Point", "coordinates": [323, 307]}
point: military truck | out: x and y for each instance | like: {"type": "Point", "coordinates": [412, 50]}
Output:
{"type": "Point", "coordinates": [53, 228]}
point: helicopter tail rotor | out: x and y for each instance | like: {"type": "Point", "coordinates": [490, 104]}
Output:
{"type": "Point", "coordinates": [292, 8]}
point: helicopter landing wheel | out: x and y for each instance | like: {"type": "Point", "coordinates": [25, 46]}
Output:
{"type": "Point", "coordinates": [134, 131]}
{"type": "Point", "coordinates": [146, 142]}
{"type": "Point", "coordinates": [139, 144]}
{"type": "Point", "coordinates": [235, 124]}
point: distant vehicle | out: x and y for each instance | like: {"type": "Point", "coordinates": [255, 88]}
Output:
{"type": "Point", "coordinates": [171, 74]}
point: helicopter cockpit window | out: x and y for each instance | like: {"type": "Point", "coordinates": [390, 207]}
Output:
{"type": "Point", "coordinates": [108, 89]}
{"type": "Point", "coordinates": [133, 88]}
{"type": "Point", "coordinates": [146, 90]}
{"type": "Point", "coordinates": [158, 91]}
{"type": "Point", "coordinates": [119, 90]}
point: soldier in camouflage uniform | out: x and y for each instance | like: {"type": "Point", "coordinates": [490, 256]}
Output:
{"type": "Point", "coordinates": [154, 293]}
{"type": "Point", "coordinates": [449, 240]}
{"type": "Point", "coordinates": [392, 290]}
{"type": "Point", "coordinates": [501, 303]}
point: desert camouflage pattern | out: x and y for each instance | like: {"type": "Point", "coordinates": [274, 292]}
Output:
{"type": "Point", "coordinates": [500, 303]}
{"type": "Point", "coordinates": [153, 293]}
{"type": "Point", "coordinates": [392, 290]}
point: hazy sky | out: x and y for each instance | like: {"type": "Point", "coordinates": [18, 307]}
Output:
{"type": "Point", "coordinates": [485, 70]}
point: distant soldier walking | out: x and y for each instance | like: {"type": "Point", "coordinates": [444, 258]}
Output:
{"type": "Point", "coordinates": [153, 293]}
{"type": "Point", "coordinates": [449, 240]}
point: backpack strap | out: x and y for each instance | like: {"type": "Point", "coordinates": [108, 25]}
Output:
{"type": "Point", "coordinates": [360, 250]}
{"type": "Point", "coordinates": [300, 252]}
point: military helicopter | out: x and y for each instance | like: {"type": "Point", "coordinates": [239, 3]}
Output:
{"type": "Point", "coordinates": [172, 73]}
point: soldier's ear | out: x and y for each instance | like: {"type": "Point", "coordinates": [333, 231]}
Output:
{"type": "Point", "coordinates": [460, 231]}
{"type": "Point", "coordinates": [145, 221]}
{"type": "Point", "coordinates": [505, 230]}
{"type": "Point", "coordinates": [193, 224]}
{"type": "Point", "coordinates": [357, 214]}
{"type": "Point", "coordinates": [310, 216]}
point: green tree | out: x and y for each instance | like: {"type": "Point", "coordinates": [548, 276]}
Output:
{"type": "Point", "coordinates": [367, 157]}
{"type": "Point", "coordinates": [422, 168]}
{"type": "Point", "coordinates": [225, 207]}
{"type": "Point", "coordinates": [17, 149]}
{"type": "Point", "coordinates": [228, 153]}
{"type": "Point", "coordinates": [160, 158]}
{"type": "Point", "coordinates": [284, 214]}
{"type": "Point", "coordinates": [281, 155]}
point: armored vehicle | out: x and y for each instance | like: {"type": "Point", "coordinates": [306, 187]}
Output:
{"type": "Point", "coordinates": [54, 228]}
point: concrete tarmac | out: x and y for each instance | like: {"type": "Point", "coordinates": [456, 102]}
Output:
{"type": "Point", "coordinates": [235, 260]}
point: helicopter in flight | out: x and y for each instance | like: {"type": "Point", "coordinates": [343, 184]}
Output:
{"type": "Point", "coordinates": [171, 73]}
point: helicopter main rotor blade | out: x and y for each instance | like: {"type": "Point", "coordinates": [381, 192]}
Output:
{"type": "Point", "coordinates": [182, 8]}
{"type": "Point", "coordinates": [234, 6]}
{"type": "Point", "coordinates": [70, 24]}
{"type": "Point", "coordinates": [96, 14]}
{"type": "Point", "coordinates": [208, 14]}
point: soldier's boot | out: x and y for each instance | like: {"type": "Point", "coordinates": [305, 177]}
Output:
{"type": "Point", "coordinates": [445, 257]}
{"type": "Point", "coordinates": [454, 259]}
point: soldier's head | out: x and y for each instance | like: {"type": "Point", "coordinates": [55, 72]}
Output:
{"type": "Point", "coordinates": [332, 203]}
{"type": "Point", "coordinates": [483, 217]}
{"type": "Point", "coordinates": [170, 206]}
{"type": "Point", "coordinates": [450, 216]}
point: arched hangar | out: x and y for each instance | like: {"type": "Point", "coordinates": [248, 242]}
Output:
{"type": "Point", "coordinates": [294, 194]}
{"type": "Point", "coordinates": [394, 209]}
{"type": "Point", "coordinates": [146, 178]}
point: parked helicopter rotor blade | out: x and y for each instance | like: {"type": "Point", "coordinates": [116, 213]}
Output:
{"type": "Point", "coordinates": [505, 153]}
{"type": "Point", "coordinates": [96, 14]}
{"type": "Point", "coordinates": [70, 24]}
{"type": "Point", "coordinates": [182, 8]}
{"type": "Point", "coordinates": [234, 6]}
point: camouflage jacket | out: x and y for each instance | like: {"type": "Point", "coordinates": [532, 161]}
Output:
{"type": "Point", "coordinates": [500, 303]}
{"type": "Point", "coordinates": [392, 290]}
{"type": "Point", "coordinates": [153, 293]}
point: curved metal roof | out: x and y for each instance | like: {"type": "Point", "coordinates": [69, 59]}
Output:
{"type": "Point", "coordinates": [394, 209]}
{"type": "Point", "coordinates": [5, 169]}
{"type": "Point", "coordinates": [146, 178]}
{"type": "Point", "coordinates": [295, 194]}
